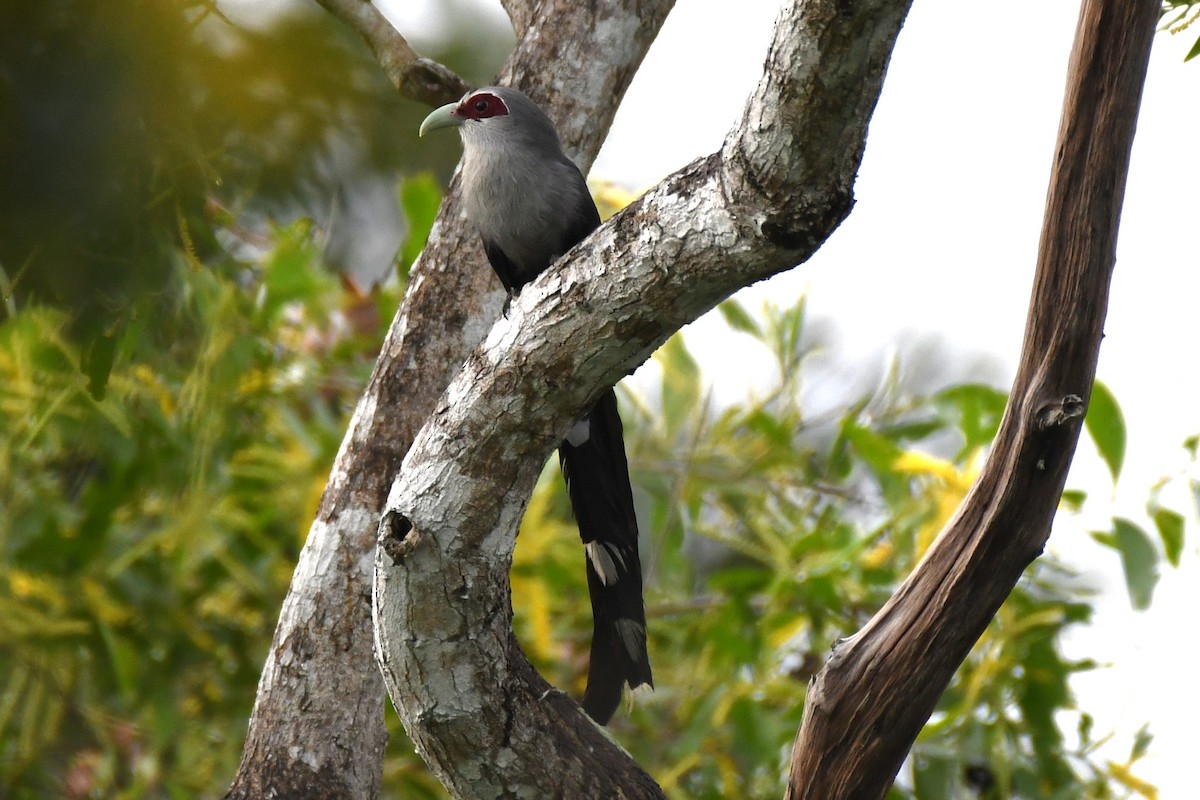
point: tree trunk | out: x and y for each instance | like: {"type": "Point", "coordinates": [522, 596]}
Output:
{"type": "Point", "coordinates": [867, 705]}
{"type": "Point", "coordinates": [317, 728]}
{"type": "Point", "coordinates": [483, 719]}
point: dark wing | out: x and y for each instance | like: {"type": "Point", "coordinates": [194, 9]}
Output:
{"type": "Point", "coordinates": [580, 220]}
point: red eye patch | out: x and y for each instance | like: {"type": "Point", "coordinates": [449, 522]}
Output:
{"type": "Point", "coordinates": [481, 105]}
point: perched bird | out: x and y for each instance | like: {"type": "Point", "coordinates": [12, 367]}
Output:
{"type": "Point", "coordinates": [530, 205]}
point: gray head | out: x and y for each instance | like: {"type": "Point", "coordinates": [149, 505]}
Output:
{"type": "Point", "coordinates": [497, 116]}
{"type": "Point", "coordinates": [528, 201]}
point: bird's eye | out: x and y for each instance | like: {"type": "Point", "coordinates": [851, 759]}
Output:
{"type": "Point", "coordinates": [481, 106]}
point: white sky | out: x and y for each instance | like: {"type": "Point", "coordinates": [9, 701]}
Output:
{"type": "Point", "coordinates": [943, 240]}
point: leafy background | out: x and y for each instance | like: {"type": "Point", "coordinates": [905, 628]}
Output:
{"type": "Point", "coordinates": [186, 329]}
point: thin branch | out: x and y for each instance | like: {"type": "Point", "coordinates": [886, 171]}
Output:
{"type": "Point", "coordinates": [418, 78]}
{"type": "Point", "coordinates": [865, 708]}
{"type": "Point", "coordinates": [485, 721]}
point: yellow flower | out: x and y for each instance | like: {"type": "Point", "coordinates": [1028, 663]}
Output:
{"type": "Point", "coordinates": [28, 586]}
{"type": "Point", "coordinates": [103, 605]}
{"type": "Point", "coordinates": [948, 486]}
{"type": "Point", "coordinates": [148, 378]}
{"type": "Point", "coordinates": [878, 555]}
{"type": "Point", "coordinates": [611, 198]}
{"type": "Point", "coordinates": [1123, 775]}
{"type": "Point", "coordinates": [529, 594]}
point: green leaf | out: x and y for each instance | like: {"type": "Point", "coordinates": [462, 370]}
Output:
{"type": "Point", "coordinates": [1139, 559]}
{"type": "Point", "coordinates": [739, 319]}
{"type": "Point", "coordinates": [933, 776]}
{"type": "Point", "coordinates": [1170, 531]}
{"type": "Point", "coordinates": [1073, 499]}
{"type": "Point", "coordinates": [420, 197]}
{"type": "Point", "coordinates": [878, 452]}
{"type": "Point", "coordinates": [912, 431]}
{"type": "Point", "coordinates": [1166, 24]}
{"type": "Point", "coordinates": [1191, 443]}
{"type": "Point", "coordinates": [1086, 724]}
{"type": "Point", "coordinates": [96, 361]}
{"type": "Point", "coordinates": [1106, 425]}
{"type": "Point", "coordinates": [1141, 743]}
{"type": "Point", "coordinates": [289, 272]}
{"type": "Point", "coordinates": [771, 428]}
{"type": "Point", "coordinates": [1195, 51]}
{"type": "Point", "coordinates": [680, 383]}
{"type": "Point", "coordinates": [976, 410]}
{"type": "Point", "coordinates": [789, 327]}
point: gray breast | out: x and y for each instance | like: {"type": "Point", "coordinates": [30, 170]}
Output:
{"type": "Point", "coordinates": [520, 203]}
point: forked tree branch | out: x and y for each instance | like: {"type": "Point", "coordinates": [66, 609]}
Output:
{"type": "Point", "coordinates": [486, 723]}
{"type": "Point", "coordinates": [865, 708]}
{"type": "Point", "coordinates": [317, 727]}
{"type": "Point", "coordinates": [418, 78]}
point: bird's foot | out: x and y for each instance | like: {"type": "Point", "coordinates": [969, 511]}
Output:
{"type": "Point", "coordinates": [508, 301]}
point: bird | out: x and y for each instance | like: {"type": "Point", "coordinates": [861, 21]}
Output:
{"type": "Point", "coordinates": [530, 204]}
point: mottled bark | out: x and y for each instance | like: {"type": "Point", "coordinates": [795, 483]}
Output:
{"type": "Point", "coordinates": [867, 705]}
{"type": "Point", "coordinates": [520, 13]}
{"type": "Point", "coordinates": [488, 725]}
{"type": "Point", "coordinates": [317, 727]}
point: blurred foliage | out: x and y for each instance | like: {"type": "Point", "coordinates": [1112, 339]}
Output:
{"type": "Point", "coordinates": [1106, 425]}
{"type": "Point", "coordinates": [133, 130]}
{"type": "Point", "coordinates": [1142, 556]}
{"type": "Point", "coordinates": [176, 367]}
{"type": "Point", "coordinates": [1177, 17]}
{"type": "Point", "coordinates": [149, 537]}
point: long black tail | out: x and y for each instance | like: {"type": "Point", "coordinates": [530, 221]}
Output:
{"type": "Point", "coordinates": [593, 461]}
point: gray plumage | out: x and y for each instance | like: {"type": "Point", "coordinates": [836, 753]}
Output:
{"type": "Point", "coordinates": [524, 196]}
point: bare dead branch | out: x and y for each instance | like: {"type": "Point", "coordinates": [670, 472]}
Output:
{"type": "Point", "coordinates": [418, 78]}
{"type": "Point", "coordinates": [485, 721]}
{"type": "Point", "coordinates": [866, 707]}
